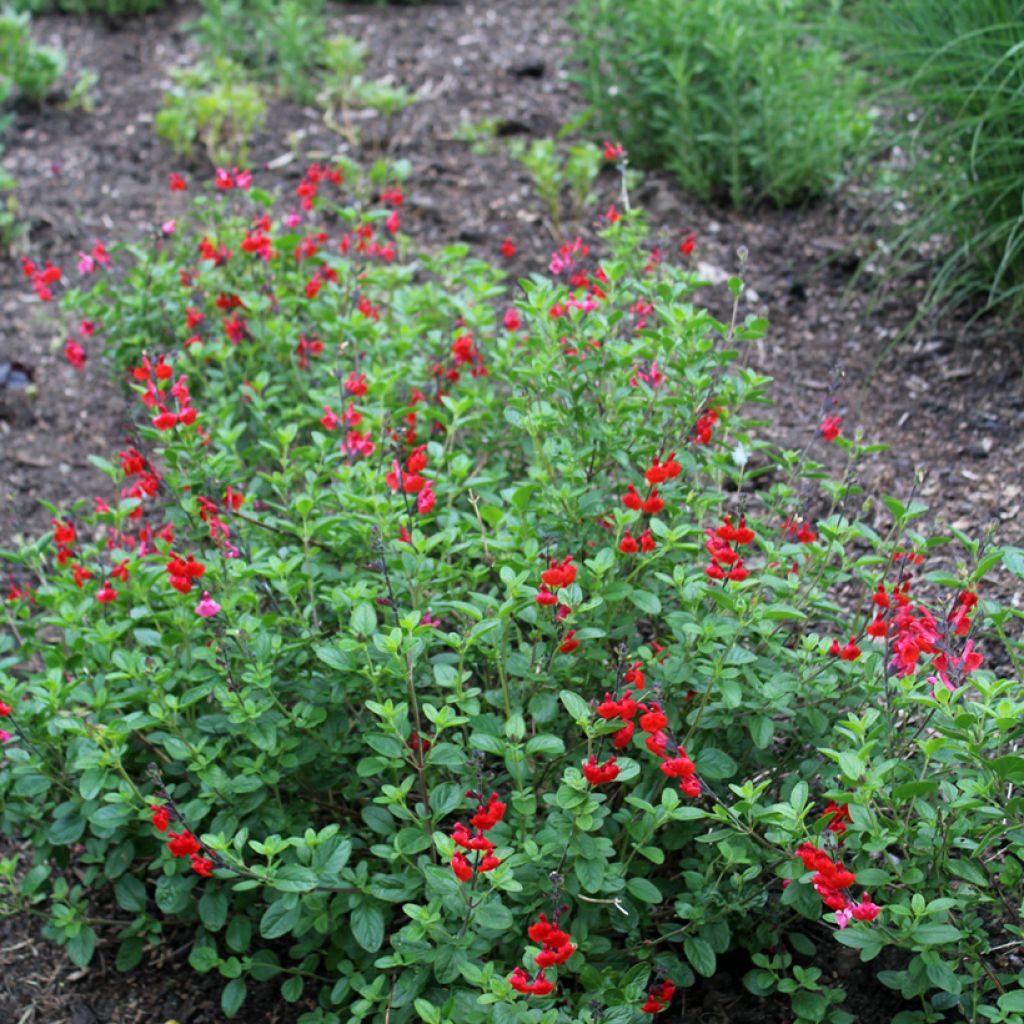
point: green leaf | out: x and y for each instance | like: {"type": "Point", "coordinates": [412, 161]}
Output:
{"type": "Point", "coordinates": [291, 990]}
{"type": "Point", "coordinates": [546, 744]}
{"type": "Point", "coordinates": [935, 934]}
{"type": "Point", "coordinates": [367, 925]}
{"type": "Point", "coordinates": [1012, 1002]}
{"type": "Point", "coordinates": [130, 894]}
{"type": "Point", "coordinates": [715, 763]}
{"type": "Point", "coordinates": [232, 997]}
{"type": "Point", "coordinates": [294, 878]}
{"type": "Point", "coordinates": [364, 620]}
{"type": "Point", "coordinates": [646, 601]}
{"type": "Point", "coordinates": [279, 919]}
{"type": "Point", "coordinates": [81, 946]}
{"type": "Point", "coordinates": [575, 705]}
{"type": "Point", "coordinates": [644, 890]}
{"type": "Point", "coordinates": [213, 909]}
{"type": "Point", "coordinates": [129, 953]}
{"type": "Point", "coordinates": [701, 956]}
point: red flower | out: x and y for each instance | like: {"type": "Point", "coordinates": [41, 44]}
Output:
{"type": "Point", "coordinates": [74, 354]}
{"type": "Point", "coordinates": [613, 151]}
{"type": "Point", "coordinates": [597, 774]}
{"type": "Point", "coordinates": [865, 910]}
{"type": "Point", "coordinates": [632, 500]}
{"type": "Point", "coordinates": [106, 594]}
{"type": "Point", "coordinates": [177, 182]}
{"type": "Point", "coordinates": [829, 428]}
{"type": "Point", "coordinates": [460, 866]}
{"type": "Point", "coordinates": [508, 248]}
{"type": "Point", "coordinates": [161, 817]}
{"type": "Point", "coordinates": [5, 710]}
{"type": "Point", "coordinates": [489, 816]}
{"type": "Point", "coordinates": [544, 596]}
{"type": "Point", "coordinates": [688, 244]}
{"type": "Point", "coordinates": [568, 644]}
{"type": "Point", "coordinates": [202, 865]}
{"type": "Point", "coordinates": [183, 844]}
{"type": "Point", "coordinates": [653, 720]}
{"type": "Point", "coordinates": [653, 503]}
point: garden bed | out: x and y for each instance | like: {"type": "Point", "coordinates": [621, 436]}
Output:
{"type": "Point", "coordinates": [950, 403]}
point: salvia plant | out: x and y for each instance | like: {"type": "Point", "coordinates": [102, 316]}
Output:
{"type": "Point", "coordinates": [448, 652]}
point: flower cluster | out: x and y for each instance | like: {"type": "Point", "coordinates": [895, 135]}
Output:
{"type": "Point", "coordinates": [486, 817]}
{"type": "Point", "coordinates": [554, 578]}
{"type": "Point", "coordinates": [410, 480]}
{"type": "Point", "coordinates": [831, 880]}
{"type": "Point", "coordinates": [41, 279]}
{"type": "Point", "coordinates": [659, 996]}
{"type": "Point", "coordinates": [722, 543]}
{"type": "Point", "coordinates": [181, 844]}
{"type": "Point", "coordinates": [556, 948]}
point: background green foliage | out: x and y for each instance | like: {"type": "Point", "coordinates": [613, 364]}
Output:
{"type": "Point", "coordinates": [951, 77]}
{"type": "Point", "coordinates": [27, 69]}
{"type": "Point", "coordinates": [743, 100]}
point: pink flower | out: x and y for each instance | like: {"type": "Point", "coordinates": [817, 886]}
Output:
{"type": "Point", "coordinates": [293, 220]}
{"type": "Point", "coordinates": [5, 736]}
{"type": "Point", "coordinates": [207, 608]}
{"type": "Point", "coordinates": [169, 226]}
{"type": "Point", "coordinates": [426, 499]}
{"type": "Point", "coordinates": [512, 321]}
{"type": "Point", "coordinates": [86, 264]}
{"type": "Point", "coordinates": [843, 916]}
{"type": "Point", "coordinates": [74, 354]}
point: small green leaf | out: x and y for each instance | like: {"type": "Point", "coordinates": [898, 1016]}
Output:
{"type": "Point", "coordinates": [701, 956]}
{"type": "Point", "coordinates": [367, 924]}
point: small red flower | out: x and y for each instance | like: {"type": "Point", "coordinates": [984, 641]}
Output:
{"type": "Point", "coordinates": [202, 865]}
{"type": "Point", "coordinates": [161, 817]}
{"type": "Point", "coordinates": [829, 428]}
{"type": "Point", "coordinates": [568, 644]}
{"type": "Point", "coordinates": [183, 844]}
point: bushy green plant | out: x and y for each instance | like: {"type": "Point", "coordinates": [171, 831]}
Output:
{"type": "Point", "coordinates": [743, 100]}
{"type": "Point", "coordinates": [952, 77]}
{"type": "Point", "coordinates": [456, 544]}
{"type": "Point", "coordinates": [276, 40]}
{"type": "Point", "coordinates": [31, 69]}
{"type": "Point", "coordinates": [344, 87]}
{"type": "Point", "coordinates": [113, 9]}
{"type": "Point", "coordinates": [215, 106]}
{"type": "Point", "coordinates": [558, 177]}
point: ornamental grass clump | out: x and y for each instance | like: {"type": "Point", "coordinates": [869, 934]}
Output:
{"type": "Point", "coordinates": [435, 664]}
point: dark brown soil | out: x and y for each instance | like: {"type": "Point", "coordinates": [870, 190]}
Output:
{"type": "Point", "coordinates": [950, 403]}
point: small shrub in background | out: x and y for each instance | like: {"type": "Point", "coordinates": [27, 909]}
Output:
{"type": "Point", "coordinates": [743, 100]}
{"type": "Point", "coordinates": [212, 105]}
{"type": "Point", "coordinates": [952, 76]}
{"type": "Point", "coordinates": [276, 40]}
{"type": "Point", "coordinates": [27, 69]}
{"type": "Point", "coordinates": [112, 9]}
{"type": "Point", "coordinates": [344, 87]}
{"type": "Point", "coordinates": [464, 657]}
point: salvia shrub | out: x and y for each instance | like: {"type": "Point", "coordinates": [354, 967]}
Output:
{"type": "Point", "coordinates": [448, 654]}
{"type": "Point", "coordinates": [742, 100]}
{"type": "Point", "coordinates": [952, 79]}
